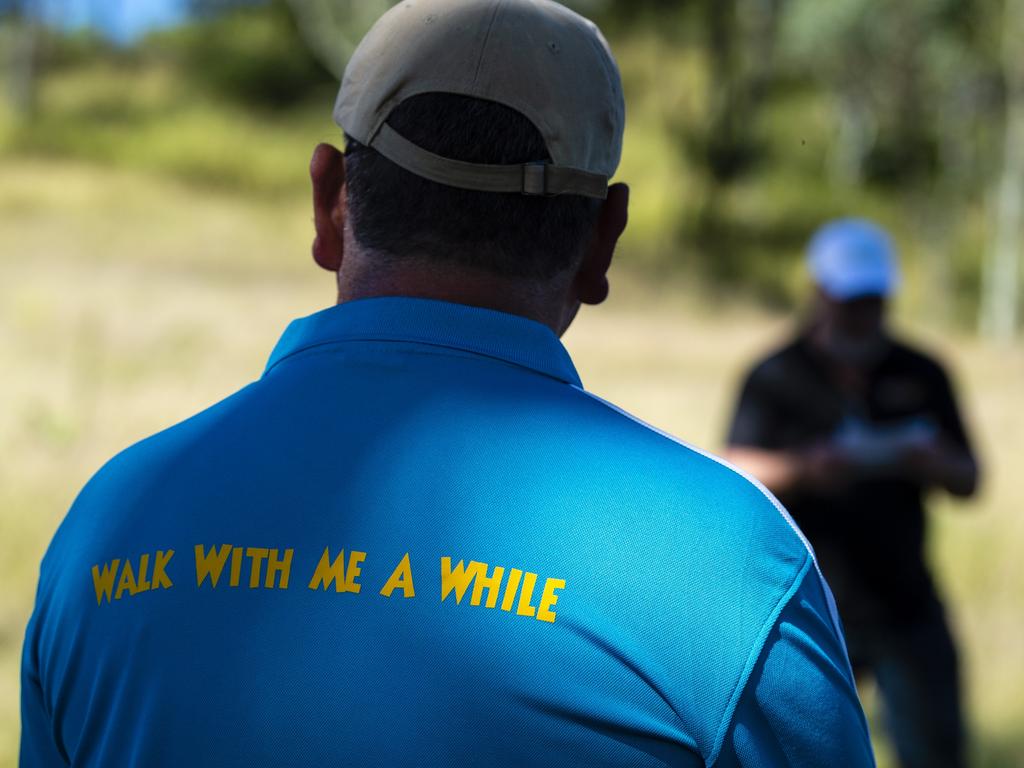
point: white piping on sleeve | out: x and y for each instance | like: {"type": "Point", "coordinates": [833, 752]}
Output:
{"type": "Point", "coordinates": [833, 611]}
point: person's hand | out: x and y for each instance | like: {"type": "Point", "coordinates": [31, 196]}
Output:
{"type": "Point", "coordinates": [934, 462]}
{"type": "Point", "coordinates": [922, 460]}
{"type": "Point", "coordinates": [826, 467]}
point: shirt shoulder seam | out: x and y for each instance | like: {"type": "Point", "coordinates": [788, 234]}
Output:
{"type": "Point", "coordinates": [712, 457]}
{"type": "Point", "coordinates": [810, 556]}
{"type": "Point", "coordinates": [754, 656]}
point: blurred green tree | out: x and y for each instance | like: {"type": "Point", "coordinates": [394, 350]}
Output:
{"type": "Point", "coordinates": [875, 58]}
{"type": "Point", "coordinates": [1000, 305]}
{"type": "Point", "coordinates": [19, 44]}
{"type": "Point", "coordinates": [916, 88]}
{"type": "Point", "coordinates": [333, 28]}
{"type": "Point", "coordinates": [248, 52]}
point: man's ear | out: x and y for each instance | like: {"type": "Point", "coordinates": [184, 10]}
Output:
{"type": "Point", "coordinates": [591, 281]}
{"type": "Point", "coordinates": [327, 172]}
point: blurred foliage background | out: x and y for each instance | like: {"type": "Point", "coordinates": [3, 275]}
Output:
{"type": "Point", "coordinates": [154, 225]}
{"type": "Point", "coordinates": [750, 122]}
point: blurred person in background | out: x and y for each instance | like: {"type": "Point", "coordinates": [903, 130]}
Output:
{"type": "Point", "coordinates": [416, 539]}
{"type": "Point", "coordinates": [851, 427]}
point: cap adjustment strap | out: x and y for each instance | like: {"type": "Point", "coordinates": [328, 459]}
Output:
{"type": "Point", "coordinates": [527, 179]}
{"type": "Point", "coordinates": [534, 179]}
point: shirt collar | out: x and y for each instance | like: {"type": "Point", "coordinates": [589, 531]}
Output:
{"type": "Point", "coordinates": [512, 338]}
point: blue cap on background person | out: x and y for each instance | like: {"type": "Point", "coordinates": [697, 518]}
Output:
{"type": "Point", "coordinates": [853, 258]}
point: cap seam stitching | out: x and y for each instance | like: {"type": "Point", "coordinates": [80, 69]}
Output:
{"type": "Point", "coordinates": [487, 37]}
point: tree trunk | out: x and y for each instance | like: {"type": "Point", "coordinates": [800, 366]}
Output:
{"type": "Point", "coordinates": [22, 60]}
{"type": "Point", "coordinates": [1001, 285]}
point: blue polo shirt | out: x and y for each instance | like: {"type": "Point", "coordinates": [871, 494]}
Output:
{"type": "Point", "coordinates": [417, 540]}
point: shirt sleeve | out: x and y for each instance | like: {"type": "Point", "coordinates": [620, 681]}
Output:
{"type": "Point", "coordinates": [800, 705]}
{"type": "Point", "coordinates": [38, 748]}
{"type": "Point", "coordinates": [755, 421]}
{"type": "Point", "coordinates": [944, 405]}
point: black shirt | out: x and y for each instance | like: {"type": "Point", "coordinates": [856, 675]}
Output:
{"type": "Point", "coordinates": [870, 536]}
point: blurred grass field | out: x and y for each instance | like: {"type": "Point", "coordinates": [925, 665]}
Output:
{"type": "Point", "coordinates": [129, 301]}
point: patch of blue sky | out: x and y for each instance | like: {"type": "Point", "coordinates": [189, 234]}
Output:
{"type": "Point", "coordinates": [122, 21]}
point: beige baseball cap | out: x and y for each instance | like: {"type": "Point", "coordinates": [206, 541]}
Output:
{"type": "Point", "coordinates": [534, 56]}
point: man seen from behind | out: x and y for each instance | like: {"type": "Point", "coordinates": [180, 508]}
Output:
{"type": "Point", "coordinates": [417, 539]}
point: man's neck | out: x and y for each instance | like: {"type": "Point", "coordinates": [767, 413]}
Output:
{"type": "Point", "coordinates": [455, 283]}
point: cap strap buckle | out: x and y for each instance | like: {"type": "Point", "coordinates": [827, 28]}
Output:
{"type": "Point", "coordinates": [527, 179]}
{"type": "Point", "coordinates": [534, 179]}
